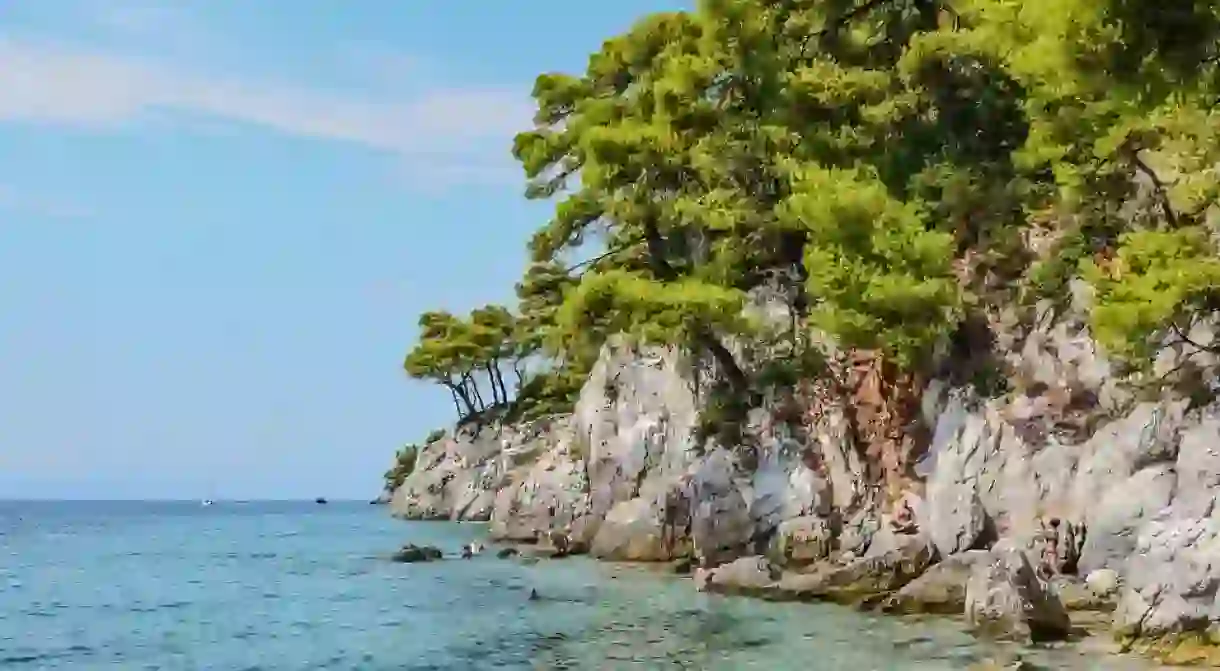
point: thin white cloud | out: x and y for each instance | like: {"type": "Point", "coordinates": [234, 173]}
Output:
{"type": "Point", "coordinates": [49, 83]}
{"type": "Point", "coordinates": [13, 199]}
{"type": "Point", "coordinates": [139, 19]}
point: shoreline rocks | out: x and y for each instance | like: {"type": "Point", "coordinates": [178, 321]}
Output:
{"type": "Point", "coordinates": [1067, 473]}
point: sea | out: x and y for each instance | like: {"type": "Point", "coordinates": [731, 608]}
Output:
{"type": "Point", "coordinates": [287, 586]}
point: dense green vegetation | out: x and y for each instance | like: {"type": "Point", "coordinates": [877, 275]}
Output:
{"type": "Point", "coordinates": [404, 465]}
{"type": "Point", "coordinates": [910, 165]}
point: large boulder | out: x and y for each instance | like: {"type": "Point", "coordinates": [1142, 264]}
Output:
{"type": "Point", "coordinates": [1006, 599]}
{"type": "Point", "coordinates": [753, 576]}
{"type": "Point", "coordinates": [861, 582]}
{"type": "Point", "coordinates": [634, 423]}
{"type": "Point", "coordinates": [941, 590]}
{"type": "Point", "coordinates": [632, 531]}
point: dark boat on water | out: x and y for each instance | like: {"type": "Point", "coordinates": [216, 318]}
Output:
{"type": "Point", "coordinates": [319, 500]}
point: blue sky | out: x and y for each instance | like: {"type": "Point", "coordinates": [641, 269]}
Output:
{"type": "Point", "coordinates": [220, 218]}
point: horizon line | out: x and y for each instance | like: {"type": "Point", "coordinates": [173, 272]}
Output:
{"type": "Point", "coordinates": [179, 500]}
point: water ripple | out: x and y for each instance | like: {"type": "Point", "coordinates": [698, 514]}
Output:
{"type": "Point", "coordinates": [278, 587]}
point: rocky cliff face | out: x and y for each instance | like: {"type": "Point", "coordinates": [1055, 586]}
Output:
{"type": "Point", "coordinates": [823, 479]}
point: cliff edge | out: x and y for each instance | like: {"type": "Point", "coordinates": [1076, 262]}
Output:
{"type": "Point", "coordinates": [1069, 468]}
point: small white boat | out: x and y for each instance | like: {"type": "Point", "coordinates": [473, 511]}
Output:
{"type": "Point", "coordinates": [207, 502]}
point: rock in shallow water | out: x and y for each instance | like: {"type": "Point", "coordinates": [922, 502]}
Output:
{"type": "Point", "coordinates": [411, 553]}
{"type": "Point", "coordinates": [941, 590]}
{"type": "Point", "coordinates": [747, 576]}
{"type": "Point", "coordinates": [861, 582]}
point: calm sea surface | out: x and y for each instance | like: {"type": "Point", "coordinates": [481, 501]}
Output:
{"type": "Point", "coordinates": [288, 586]}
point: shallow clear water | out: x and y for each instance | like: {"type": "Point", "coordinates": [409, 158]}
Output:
{"type": "Point", "coordinates": [288, 586]}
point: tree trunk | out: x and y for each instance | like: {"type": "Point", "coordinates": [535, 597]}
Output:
{"type": "Point", "coordinates": [471, 391]}
{"type": "Point", "coordinates": [500, 381]}
{"type": "Point", "coordinates": [474, 385]}
{"type": "Point", "coordinates": [459, 391]}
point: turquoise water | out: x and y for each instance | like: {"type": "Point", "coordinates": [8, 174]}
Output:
{"type": "Point", "coordinates": [288, 586]}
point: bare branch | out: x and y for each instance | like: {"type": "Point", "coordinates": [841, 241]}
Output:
{"type": "Point", "coordinates": [840, 21]}
{"type": "Point", "coordinates": [1182, 337]}
{"type": "Point", "coordinates": [616, 250]}
{"type": "Point", "coordinates": [1162, 194]}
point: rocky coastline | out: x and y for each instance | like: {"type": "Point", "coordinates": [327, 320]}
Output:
{"type": "Point", "coordinates": [1068, 499]}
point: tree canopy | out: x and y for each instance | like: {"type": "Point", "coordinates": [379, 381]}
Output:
{"type": "Point", "coordinates": [908, 162]}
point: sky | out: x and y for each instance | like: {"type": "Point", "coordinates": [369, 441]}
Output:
{"type": "Point", "coordinates": [219, 220]}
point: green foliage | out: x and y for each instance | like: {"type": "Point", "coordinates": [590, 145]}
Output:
{"type": "Point", "coordinates": [899, 157]}
{"type": "Point", "coordinates": [990, 380]}
{"type": "Point", "coordinates": [434, 435]}
{"type": "Point", "coordinates": [881, 278]}
{"type": "Point", "coordinates": [445, 350]}
{"type": "Point", "coordinates": [630, 303]}
{"type": "Point", "coordinates": [1158, 278]}
{"type": "Point", "coordinates": [404, 465]}
{"type": "Point", "coordinates": [782, 373]}
{"type": "Point", "coordinates": [550, 392]}
{"type": "Point", "coordinates": [540, 293]}
{"type": "Point", "coordinates": [491, 330]}
{"type": "Point", "coordinates": [457, 352]}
